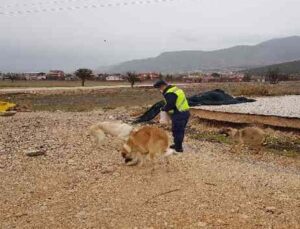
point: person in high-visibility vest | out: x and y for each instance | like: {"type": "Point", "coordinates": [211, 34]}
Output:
{"type": "Point", "coordinates": [177, 106]}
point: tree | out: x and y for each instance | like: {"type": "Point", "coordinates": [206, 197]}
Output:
{"type": "Point", "coordinates": [148, 77]}
{"type": "Point", "coordinates": [169, 77]}
{"type": "Point", "coordinates": [132, 78]}
{"type": "Point", "coordinates": [69, 76]}
{"type": "Point", "coordinates": [216, 75]}
{"type": "Point", "coordinates": [11, 76]}
{"type": "Point", "coordinates": [247, 77]}
{"type": "Point", "coordinates": [102, 76]}
{"type": "Point", "coordinates": [284, 77]}
{"type": "Point", "coordinates": [84, 74]}
{"type": "Point", "coordinates": [179, 78]}
{"type": "Point", "coordinates": [273, 76]}
{"type": "Point", "coordinates": [161, 76]}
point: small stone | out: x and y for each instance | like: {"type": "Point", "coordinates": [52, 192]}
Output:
{"type": "Point", "coordinates": [71, 162]}
{"type": "Point", "coordinates": [270, 209]}
{"type": "Point", "coordinates": [107, 209]}
{"type": "Point", "coordinates": [21, 214]}
{"type": "Point", "coordinates": [243, 216]}
{"type": "Point", "coordinates": [35, 153]}
{"type": "Point", "coordinates": [220, 221]}
{"type": "Point", "coordinates": [116, 174]}
{"type": "Point", "coordinates": [43, 208]}
{"type": "Point", "coordinates": [202, 224]}
{"type": "Point", "coordinates": [81, 214]}
{"type": "Point", "coordinates": [107, 170]}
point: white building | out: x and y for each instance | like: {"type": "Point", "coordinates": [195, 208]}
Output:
{"type": "Point", "coordinates": [114, 78]}
{"type": "Point", "coordinates": [35, 76]}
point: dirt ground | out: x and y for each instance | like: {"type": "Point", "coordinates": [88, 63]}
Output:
{"type": "Point", "coordinates": [78, 185]}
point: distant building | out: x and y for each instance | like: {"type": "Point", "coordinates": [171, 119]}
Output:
{"type": "Point", "coordinates": [153, 76]}
{"type": "Point", "coordinates": [148, 76]}
{"type": "Point", "coordinates": [193, 78]}
{"type": "Point", "coordinates": [143, 76]}
{"type": "Point", "coordinates": [56, 75]}
{"type": "Point", "coordinates": [116, 77]}
{"type": "Point", "coordinates": [229, 77]}
{"type": "Point", "coordinates": [208, 79]}
{"type": "Point", "coordinates": [70, 77]}
{"type": "Point", "coordinates": [101, 76]}
{"type": "Point", "coordinates": [234, 77]}
{"type": "Point", "coordinates": [35, 76]}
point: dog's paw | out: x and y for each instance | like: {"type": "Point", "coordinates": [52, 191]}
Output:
{"type": "Point", "coordinates": [131, 162]}
{"type": "Point", "coordinates": [127, 160]}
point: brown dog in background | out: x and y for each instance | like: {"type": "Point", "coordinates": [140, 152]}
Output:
{"type": "Point", "coordinates": [145, 142]}
{"type": "Point", "coordinates": [253, 137]}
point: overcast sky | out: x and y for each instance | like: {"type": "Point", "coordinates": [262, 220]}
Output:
{"type": "Point", "coordinates": [69, 39]}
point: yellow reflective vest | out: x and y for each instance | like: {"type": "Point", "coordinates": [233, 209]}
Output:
{"type": "Point", "coordinates": [181, 102]}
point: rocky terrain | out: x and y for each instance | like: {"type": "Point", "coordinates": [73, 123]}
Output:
{"type": "Point", "coordinates": [71, 183]}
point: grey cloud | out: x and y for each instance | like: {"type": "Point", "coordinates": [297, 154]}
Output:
{"type": "Point", "coordinates": [70, 39]}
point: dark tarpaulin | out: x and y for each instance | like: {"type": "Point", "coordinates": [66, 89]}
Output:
{"type": "Point", "coordinates": [215, 97]}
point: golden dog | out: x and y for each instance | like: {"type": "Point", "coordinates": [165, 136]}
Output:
{"type": "Point", "coordinates": [145, 142]}
{"type": "Point", "coordinates": [251, 136]}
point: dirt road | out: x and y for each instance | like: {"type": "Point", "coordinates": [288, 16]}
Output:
{"type": "Point", "coordinates": [76, 185]}
{"type": "Point", "coordinates": [54, 90]}
{"type": "Point", "coordinates": [57, 89]}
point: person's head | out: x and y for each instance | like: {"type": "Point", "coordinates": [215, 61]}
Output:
{"type": "Point", "coordinates": [161, 85]}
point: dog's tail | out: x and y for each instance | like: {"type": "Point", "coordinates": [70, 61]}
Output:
{"type": "Point", "coordinates": [92, 129]}
{"type": "Point", "coordinates": [97, 133]}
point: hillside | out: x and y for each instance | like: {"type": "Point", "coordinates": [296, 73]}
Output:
{"type": "Point", "coordinates": [285, 68]}
{"type": "Point", "coordinates": [266, 53]}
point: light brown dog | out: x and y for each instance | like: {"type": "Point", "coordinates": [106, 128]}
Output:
{"type": "Point", "coordinates": [250, 136]}
{"type": "Point", "coordinates": [115, 129]}
{"type": "Point", "coordinates": [145, 142]}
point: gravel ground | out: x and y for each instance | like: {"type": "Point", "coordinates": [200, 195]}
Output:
{"type": "Point", "coordinates": [286, 106]}
{"type": "Point", "coordinates": [76, 185]}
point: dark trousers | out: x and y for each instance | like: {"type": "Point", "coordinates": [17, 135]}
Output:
{"type": "Point", "coordinates": [179, 122]}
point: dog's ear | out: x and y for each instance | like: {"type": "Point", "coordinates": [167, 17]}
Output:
{"type": "Point", "coordinates": [233, 132]}
{"type": "Point", "coordinates": [127, 148]}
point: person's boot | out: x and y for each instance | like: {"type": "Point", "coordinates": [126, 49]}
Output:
{"type": "Point", "coordinates": [179, 150]}
{"type": "Point", "coordinates": [176, 150]}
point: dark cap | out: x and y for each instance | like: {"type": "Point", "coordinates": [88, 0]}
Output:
{"type": "Point", "coordinates": [159, 83]}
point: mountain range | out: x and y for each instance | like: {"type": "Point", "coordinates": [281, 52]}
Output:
{"type": "Point", "coordinates": [284, 68]}
{"type": "Point", "coordinates": [239, 57]}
